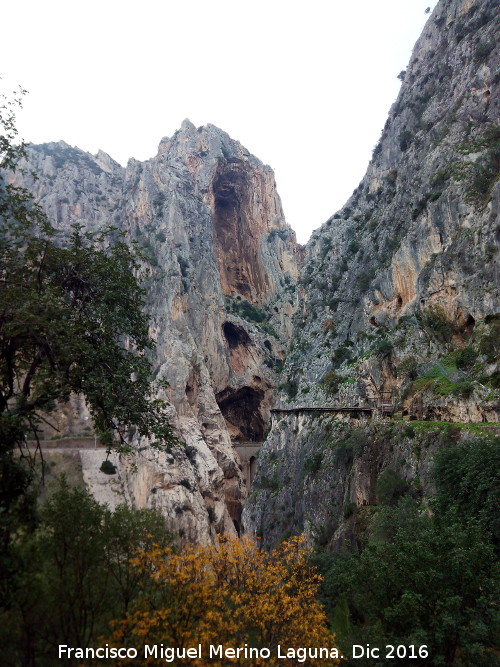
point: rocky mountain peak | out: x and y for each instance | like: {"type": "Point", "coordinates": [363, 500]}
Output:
{"type": "Point", "coordinates": [187, 126]}
{"type": "Point", "coordinates": [221, 294]}
{"type": "Point", "coordinates": [396, 307]}
{"type": "Point", "coordinates": [106, 162]}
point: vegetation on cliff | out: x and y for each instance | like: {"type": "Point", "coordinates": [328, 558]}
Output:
{"type": "Point", "coordinates": [426, 578]}
{"type": "Point", "coordinates": [71, 321]}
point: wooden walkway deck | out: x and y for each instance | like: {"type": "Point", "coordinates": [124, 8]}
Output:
{"type": "Point", "coordinates": [305, 408]}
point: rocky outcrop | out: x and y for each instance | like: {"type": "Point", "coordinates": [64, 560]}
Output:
{"type": "Point", "coordinates": [396, 310]}
{"type": "Point", "coordinates": [220, 285]}
{"type": "Point", "coordinates": [399, 290]}
{"type": "Point", "coordinates": [409, 267]}
{"type": "Point", "coordinates": [327, 477]}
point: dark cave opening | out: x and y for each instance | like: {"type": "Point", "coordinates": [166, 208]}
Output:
{"type": "Point", "coordinates": [470, 324]}
{"type": "Point", "coordinates": [252, 468]}
{"type": "Point", "coordinates": [230, 189]}
{"type": "Point", "coordinates": [241, 410]}
{"type": "Point", "coordinates": [228, 186]}
{"type": "Point", "coordinates": [235, 335]}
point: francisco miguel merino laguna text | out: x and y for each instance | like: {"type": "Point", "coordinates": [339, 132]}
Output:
{"type": "Point", "coordinates": [171, 653]}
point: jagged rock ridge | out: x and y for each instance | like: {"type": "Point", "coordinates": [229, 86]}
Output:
{"type": "Point", "coordinates": [400, 288]}
{"type": "Point", "coordinates": [220, 296]}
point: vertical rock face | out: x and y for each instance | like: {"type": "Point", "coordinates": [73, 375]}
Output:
{"type": "Point", "coordinates": [220, 296]}
{"type": "Point", "coordinates": [398, 298]}
{"type": "Point", "coordinates": [240, 220]}
{"type": "Point", "coordinates": [419, 236]}
{"type": "Point", "coordinates": [399, 289]}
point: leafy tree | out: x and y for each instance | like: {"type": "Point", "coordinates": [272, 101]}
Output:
{"type": "Point", "coordinates": [71, 320]}
{"type": "Point", "coordinates": [426, 579]}
{"type": "Point", "coordinates": [438, 323]}
{"type": "Point", "coordinates": [232, 594]}
{"type": "Point", "coordinates": [432, 584]}
{"type": "Point", "coordinates": [331, 382]}
{"type": "Point", "coordinates": [468, 483]}
{"type": "Point", "coordinates": [428, 584]}
{"type": "Point", "coordinates": [77, 575]}
{"type": "Point", "coordinates": [126, 530]}
{"type": "Point", "coordinates": [390, 487]}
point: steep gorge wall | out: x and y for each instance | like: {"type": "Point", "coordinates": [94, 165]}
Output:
{"type": "Point", "coordinates": [419, 236]}
{"type": "Point", "coordinates": [220, 297]}
{"type": "Point", "coordinates": [399, 291]}
{"type": "Point", "coordinates": [398, 294]}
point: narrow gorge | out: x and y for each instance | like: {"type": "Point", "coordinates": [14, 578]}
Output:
{"type": "Point", "coordinates": [399, 307]}
{"type": "Point", "coordinates": [342, 367]}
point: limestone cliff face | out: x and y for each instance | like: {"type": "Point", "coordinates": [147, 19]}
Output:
{"type": "Point", "coordinates": [400, 288]}
{"type": "Point", "coordinates": [220, 296]}
{"type": "Point", "coordinates": [415, 248]}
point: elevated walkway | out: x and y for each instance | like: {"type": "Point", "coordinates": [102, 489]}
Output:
{"type": "Point", "coordinates": [383, 406]}
{"type": "Point", "coordinates": [305, 408]}
{"type": "Point", "coordinates": [68, 443]}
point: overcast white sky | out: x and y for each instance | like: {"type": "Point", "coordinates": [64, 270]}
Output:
{"type": "Point", "coordinates": [305, 86]}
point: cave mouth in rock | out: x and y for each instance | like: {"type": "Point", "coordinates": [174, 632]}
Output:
{"type": "Point", "coordinates": [241, 410]}
{"type": "Point", "coordinates": [470, 324]}
{"type": "Point", "coordinates": [230, 187]}
{"type": "Point", "coordinates": [235, 335]}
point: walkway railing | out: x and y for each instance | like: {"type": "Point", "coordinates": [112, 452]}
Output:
{"type": "Point", "coordinates": [384, 405]}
